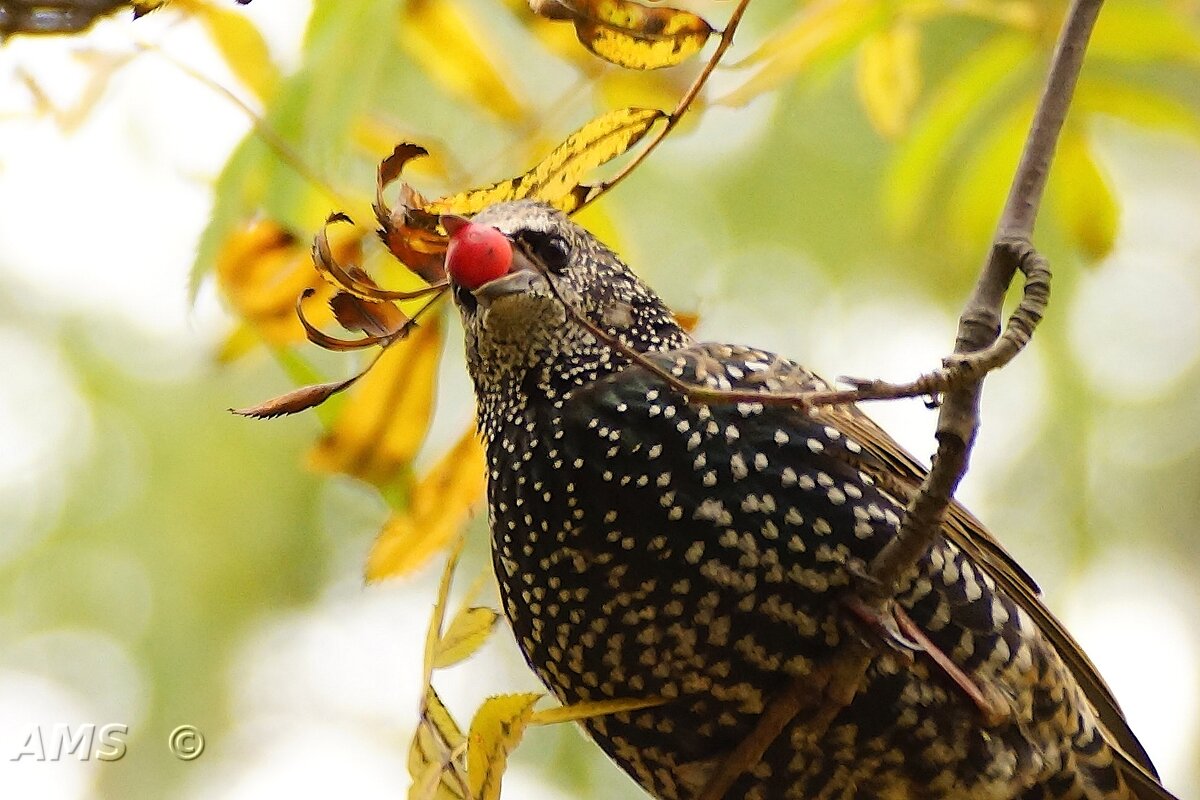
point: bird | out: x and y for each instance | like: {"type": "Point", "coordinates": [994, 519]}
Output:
{"type": "Point", "coordinates": [652, 542]}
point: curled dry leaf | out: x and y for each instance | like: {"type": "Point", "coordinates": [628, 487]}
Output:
{"type": "Point", "coordinates": [322, 339]}
{"type": "Point", "coordinates": [353, 279]}
{"type": "Point", "coordinates": [439, 505]}
{"type": "Point", "coordinates": [409, 232]}
{"type": "Point", "coordinates": [635, 36]}
{"type": "Point", "coordinates": [262, 268]}
{"type": "Point", "coordinates": [496, 729]}
{"type": "Point", "coordinates": [381, 320]}
{"type": "Point", "coordinates": [301, 399]}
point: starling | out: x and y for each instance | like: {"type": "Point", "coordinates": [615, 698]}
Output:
{"type": "Point", "coordinates": [647, 544]}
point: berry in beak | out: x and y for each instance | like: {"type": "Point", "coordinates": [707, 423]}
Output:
{"type": "Point", "coordinates": [477, 254]}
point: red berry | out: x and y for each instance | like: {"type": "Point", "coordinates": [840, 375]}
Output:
{"type": "Point", "coordinates": [477, 254]}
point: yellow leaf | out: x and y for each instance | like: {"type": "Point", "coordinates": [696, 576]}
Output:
{"type": "Point", "coordinates": [889, 77]}
{"type": "Point", "coordinates": [593, 708]}
{"type": "Point", "coordinates": [445, 40]}
{"type": "Point", "coordinates": [385, 417]}
{"type": "Point", "coordinates": [607, 136]}
{"type": "Point", "coordinates": [468, 631]}
{"type": "Point", "coordinates": [820, 32]}
{"type": "Point", "coordinates": [434, 757]}
{"type": "Point", "coordinates": [429, 784]}
{"type": "Point", "coordinates": [557, 178]}
{"type": "Point", "coordinates": [496, 729]}
{"type": "Point", "coordinates": [438, 507]}
{"type": "Point", "coordinates": [634, 36]}
{"type": "Point", "coordinates": [241, 44]}
{"type": "Point", "coordinates": [433, 631]}
{"type": "Point", "coordinates": [688, 320]}
{"type": "Point", "coordinates": [1083, 197]}
{"type": "Point", "coordinates": [262, 268]}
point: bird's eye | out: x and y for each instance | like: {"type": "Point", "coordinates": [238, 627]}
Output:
{"type": "Point", "coordinates": [550, 249]}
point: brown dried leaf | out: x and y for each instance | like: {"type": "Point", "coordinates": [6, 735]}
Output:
{"type": "Point", "coordinates": [322, 339]}
{"type": "Point", "coordinates": [355, 314]}
{"type": "Point", "coordinates": [410, 232]}
{"type": "Point", "coordinates": [297, 400]}
{"type": "Point", "coordinates": [351, 279]}
{"type": "Point", "coordinates": [391, 167]}
{"type": "Point", "coordinates": [496, 729]}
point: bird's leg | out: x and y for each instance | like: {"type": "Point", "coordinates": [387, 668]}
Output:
{"type": "Point", "coordinates": [883, 623]}
{"type": "Point", "coordinates": [891, 623]}
{"type": "Point", "coordinates": [993, 707]}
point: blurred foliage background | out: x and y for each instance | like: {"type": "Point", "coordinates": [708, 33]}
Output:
{"type": "Point", "coordinates": [162, 562]}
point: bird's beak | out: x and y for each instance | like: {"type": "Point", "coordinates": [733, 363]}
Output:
{"type": "Point", "coordinates": [522, 277]}
{"type": "Point", "coordinates": [452, 222]}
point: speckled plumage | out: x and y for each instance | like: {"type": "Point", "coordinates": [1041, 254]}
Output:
{"type": "Point", "coordinates": [646, 545]}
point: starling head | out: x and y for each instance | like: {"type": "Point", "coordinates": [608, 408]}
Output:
{"type": "Point", "coordinates": [520, 337]}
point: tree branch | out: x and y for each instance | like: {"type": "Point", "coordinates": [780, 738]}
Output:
{"type": "Point", "coordinates": [978, 327]}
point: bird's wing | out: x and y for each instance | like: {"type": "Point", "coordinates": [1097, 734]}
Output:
{"type": "Point", "coordinates": [899, 472]}
{"type": "Point", "coordinates": [973, 538]}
